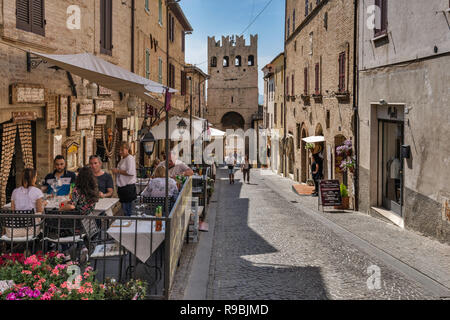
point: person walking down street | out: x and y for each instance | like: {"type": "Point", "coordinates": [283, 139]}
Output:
{"type": "Point", "coordinates": [231, 162]}
{"type": "Point", "coordinates": [126, 178]}
{"type": "Point", "coordinates": [61, 178]}
{"type": "Point", "coordinates": [315, 175]}
{"type": "Point", "coordinates": [246, 166]}
{"type": "Point", "coordinates": [104, 180]}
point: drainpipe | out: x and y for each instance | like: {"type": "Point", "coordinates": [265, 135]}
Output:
{"type": "Point", "coordinates": [132, 33]}
{"type": "Point", "coordinates": [355, 104]}
{"type": "Point", "coordinates": [284, 92]}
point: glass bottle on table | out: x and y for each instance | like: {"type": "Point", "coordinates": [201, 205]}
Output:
{"type": "Point", "coordinates": [158, 214]}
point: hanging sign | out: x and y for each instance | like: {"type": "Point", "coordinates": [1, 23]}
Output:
{"type": "Point", "coordinates": [72, 116]}
{"type": "Point", "coordinates": [19, 117]}
{"type": "Point", "coordinates": [27, 93]}
{"type": "Point", "coordinates": [83, 122]}
{"type": "Point", "coordinates": [98, 134]}
{"type": "Point", "coordinates": [63, 112]}
{"type": "Point", "coordinates": [104, 106]}
{"type": "Point", "coordinates": [86, 107]}
{"type": "Point", "coordinates": [101, 119]}
{"type": "Point", "coordinates": [88, 147]}
{"type": "Point", "coordinates": [57, 145]}
{"type": "Point", "coordinates": [102, 91]}
{"type": "Point", "coordinates": [51, 111]}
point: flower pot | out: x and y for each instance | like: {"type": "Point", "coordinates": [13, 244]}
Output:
{"type": "Point", "coordinates": [345, 204]}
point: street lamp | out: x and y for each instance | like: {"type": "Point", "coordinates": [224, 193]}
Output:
{"type": "Point", "coordinates": [148, 142]}
{"type": "Point", "coordinates": [182, 126]}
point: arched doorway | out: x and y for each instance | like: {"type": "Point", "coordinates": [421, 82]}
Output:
{"type": "Point", "coordinates": [304, 157]}
{"type": "Point", "coordinates": [338, 173]}
{"type": "Point", "coordinates": [232, 120]}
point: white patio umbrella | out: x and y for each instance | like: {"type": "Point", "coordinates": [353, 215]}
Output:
{"type": "Point", "coordinates": [314, 139]}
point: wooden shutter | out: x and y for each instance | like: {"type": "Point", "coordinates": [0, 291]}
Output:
{"type": "Point", "coordinates": [38, 17]}
{"type": "Point", "coordinates": [160, 70]}
{"type": "Point", "coordinates": [287, 86]}
{"type": "Point", "coordinates": [183, 83]}
{"type": "Point", "coordinates": [172, 21]}
{"type": "Point", "coordinates": [147, 63]}
{"type": "Point", "coordinates": [293, 85]}
{"type": "Point", "coordinates": [23, 15]}
{"type": "Point", "coordinates": [305, 72]}
{"type": "Point", "coordinates": [183, 41]}
{"type": "Point", "coordinates": [342, 72]}
{"type": "Point", "coordinates": [317, 89]}
{"type": "Point", "coordinates": [106, 27]}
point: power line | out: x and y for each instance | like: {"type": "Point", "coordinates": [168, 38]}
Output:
{"type": "Point", "coordinates": [265, 7]}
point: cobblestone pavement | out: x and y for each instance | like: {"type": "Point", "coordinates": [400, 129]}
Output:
{"type": "Point", "coordinates": [266, 247]}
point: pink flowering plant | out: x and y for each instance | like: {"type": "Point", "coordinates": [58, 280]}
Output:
{"type": "Point", "coordinates": [348, 162]}
{"type": "Point", "coordinates": [49, 277]}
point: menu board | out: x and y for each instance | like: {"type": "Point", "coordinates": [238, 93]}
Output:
{"type": "Point", "coordinates": [86, 107]}
{"type": "Point", "coordinates": [83, 122]}
{"type": "Point", "coordinates": [27, 93]}
{"type": "Point", "coordinates": [330, 193]}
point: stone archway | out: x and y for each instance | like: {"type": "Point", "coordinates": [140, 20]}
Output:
{"type": "Point", "coordinates": [232, 120]}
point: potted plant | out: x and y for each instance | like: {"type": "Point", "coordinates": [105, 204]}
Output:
{"type": "Point", "coordinates": [345, 199]}
{"type": "Point", "coordinates": [309, 146]}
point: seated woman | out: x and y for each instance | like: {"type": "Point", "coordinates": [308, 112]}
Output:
{"type": "Point", "coordinates": [157, 186]}
{"type": "Point", "coordinates": [85, 194]}
{"type": "Point", "coordinates": [27, 197]}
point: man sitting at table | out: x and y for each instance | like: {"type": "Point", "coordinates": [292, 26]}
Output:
{"type": "Point", "coordinates": [104, 180]}
{"type": "Point", "coordinates": [64, 178]}
{"type": "Point", "coordinates": [177, 167]}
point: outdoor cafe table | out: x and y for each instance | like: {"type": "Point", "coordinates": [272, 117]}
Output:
{"type": "Point", "coordinates": [103, 205]}
{"type": "Point", "coordinates": [139, 238]}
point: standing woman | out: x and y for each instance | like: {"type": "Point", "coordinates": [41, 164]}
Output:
{"type": "Point", "coordinates": [246, 169]}
{"type": "Point", "coordinates": [126, 178]}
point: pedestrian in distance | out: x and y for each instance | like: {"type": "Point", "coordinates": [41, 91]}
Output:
{"type": "Point", "coordinates": [315, 175]}
{"type": "Point", "coordinates": [246, 166]}
{"type": "Point", "coordinates": [231, 162]}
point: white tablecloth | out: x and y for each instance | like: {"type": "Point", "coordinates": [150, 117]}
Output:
{"type": "Point", "coordinates": [143, 237]}
{"type": "Point", "coordinates": [104, 204]}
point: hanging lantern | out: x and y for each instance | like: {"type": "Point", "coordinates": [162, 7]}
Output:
{"type": "Point", "coordinates": [148, 142]}
{"type": "Point", "coordinates": [92, 91]}
{"type": "Point", "coordinates": [132, 103]}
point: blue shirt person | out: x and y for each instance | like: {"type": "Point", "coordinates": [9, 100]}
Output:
{"type": "Point", "coordinates": [63, 177]}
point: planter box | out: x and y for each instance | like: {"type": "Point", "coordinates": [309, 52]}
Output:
{"type": "Point", "coordinates": [345, 204]}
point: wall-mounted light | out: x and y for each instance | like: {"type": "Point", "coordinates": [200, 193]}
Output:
{"type": "Point", "coordinates": [92, 91]}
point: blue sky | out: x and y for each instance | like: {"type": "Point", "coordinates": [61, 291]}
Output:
{"type": "Point", "coordinates": [228, 17]}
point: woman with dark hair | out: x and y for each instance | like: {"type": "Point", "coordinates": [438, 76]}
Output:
{"type": "Point", "coordinates": [85, 194]}
{"type": "Point", "coordinates": [27, 197]}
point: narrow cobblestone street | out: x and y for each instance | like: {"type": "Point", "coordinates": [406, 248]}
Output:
{"type": "Point", "coordinates": [265, 247]}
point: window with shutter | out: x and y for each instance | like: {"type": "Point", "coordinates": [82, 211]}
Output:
{"type": "Point", "coordinates": [146, 5]}
{"type": "Point", "coordinates": [106, 27]}
{"type": "Point", "coordinates": [382, 19]}
{"type": "Point", "coordinates": [30, 16]}
{"type": "Point", "coordinates": [23, 15]}
{"type": "Point", "coordinates": [183, 83]}
{"type": "Point", "coordinates": [306, 7]}
{"type": "Point", "coordinates": [183, 39]}
{"type": "Point", "coordinates": [317, 87]}
{"type": "Point", "coordinates": [160, 13]}
{"type": "Point", "coordinates": [287, 86]}
{"type": "Point", "coordinates": [293, 85]}
{"type": "Point", "coordinates": [305, 73]}
{"type": "Point", "coordinates": [147, 63]}
{"type": "Point", "coordinates": [342, 72]}
{"type": "Point", "coordinates": [293, 21]}
{"type": "Point", "coordinates": [288, 26]}
{"type": "Point", "coordinates": [160, 71]}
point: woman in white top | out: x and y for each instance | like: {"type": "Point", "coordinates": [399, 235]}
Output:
{"type": "Point", "coordinates": [27, 197]}
{"type": "Point", "coordinates": [126, 178]}
{"type": "Point", "coordinates": [157, 186]}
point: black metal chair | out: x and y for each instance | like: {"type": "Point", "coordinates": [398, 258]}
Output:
{"type": "Point", "coordinates": [153, 202]}
{"type": "Point", "coordinates": [64, 231]}
{"type": "Point", "coordinates": [18, 224]}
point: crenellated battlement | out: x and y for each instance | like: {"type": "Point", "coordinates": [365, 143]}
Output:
{"type": "Point", "coordinates": [232, 41]}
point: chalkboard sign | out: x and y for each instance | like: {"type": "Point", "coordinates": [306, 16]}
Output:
{"type": "Point", "coordinates": [330, 193]}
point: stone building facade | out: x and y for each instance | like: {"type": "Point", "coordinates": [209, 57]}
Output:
{"type": "Point", "coordinates": [318, 83]}
{"type": "Point", "coordinates": [196, 90]}
{"type": "Point", "coordinates": [274, 109]}
{"type": "Point", "coordinates": [105, 30]}
{"type": "Point", "coordinates": [233, 83]}
{"type": "Point", "coordinates": [403, 101]}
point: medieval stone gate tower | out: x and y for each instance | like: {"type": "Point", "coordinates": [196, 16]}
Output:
{"type": "Point", "coordinates": [233, 86]}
